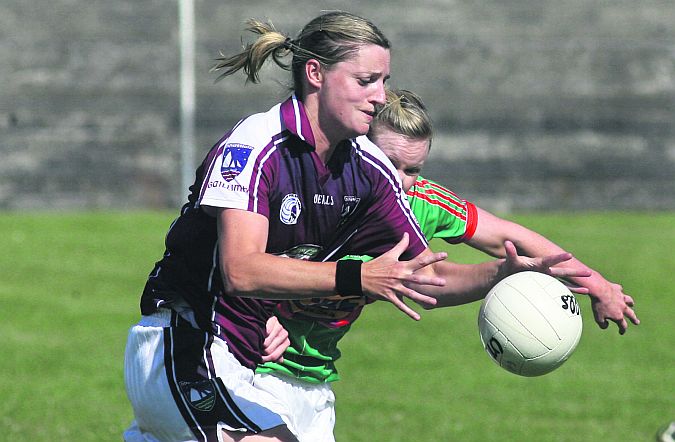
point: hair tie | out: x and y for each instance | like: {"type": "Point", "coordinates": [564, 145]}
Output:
{"type": "Point", "coordinates": [288, 44]}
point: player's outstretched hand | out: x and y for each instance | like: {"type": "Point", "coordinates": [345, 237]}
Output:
{"type": "Point", "coordinates": [384, 277]}
{"type": "Point", "coordinates": [545, 264]}
{"type": "Point", "coordinates": [608, 300]}
{"type": "Point", "coordinates": [276, 342]}
{"type": "Point", "coordinates": [611, 304]}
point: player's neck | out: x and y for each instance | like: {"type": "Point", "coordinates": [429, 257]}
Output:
{"type": "Point", "coordinates": [325, 140]}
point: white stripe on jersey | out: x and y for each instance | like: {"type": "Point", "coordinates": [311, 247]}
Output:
{"type": "Point", "coordinates": [403, 204]}
{"type": "Point", "coordinates": [259, 172]}
{"type": "Point", "coordinates": [340, 246]}
{"type": "Point", "coordinates": [214, 263]}
{"type": "Point", "coordinates": [298, 123]}
{"type": "Point", "coordinates": [210, 285]}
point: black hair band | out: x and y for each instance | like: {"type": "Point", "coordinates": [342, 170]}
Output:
{"type": "Point", "coordinates": [288, 44]}
{"type": "Point", "coordinates": [348, 277]}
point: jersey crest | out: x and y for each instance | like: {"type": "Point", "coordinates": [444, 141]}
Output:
{"type": "Point", "coordinates": [290, 209]}
{"type": "Point", "coordinates": [235, 157]}
{"type": "Point", "coordinates": [349, 205]}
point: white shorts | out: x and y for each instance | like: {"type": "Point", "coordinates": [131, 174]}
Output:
{"type": "Point", "coordinates": [308, 409]}
{"type": "Point", "coordinates": [185, 385]}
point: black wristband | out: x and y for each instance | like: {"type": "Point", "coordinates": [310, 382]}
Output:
{"type": "Point", "coordinates": [348, 277]}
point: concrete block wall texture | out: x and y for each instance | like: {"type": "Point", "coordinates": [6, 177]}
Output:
{"type": "Point", "coordinates": [538, 105]}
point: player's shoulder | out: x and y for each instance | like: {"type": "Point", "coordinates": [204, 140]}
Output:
{"type": "Point", "coordinates": [424, 185]}
{"type": "Point", "coordinates": [257, 130]}
{"type": "Point", "coordinates": [363, 144]}
{"type": "Point", "coordinates": [374, 155]}
{"type": "Point", "coordinates": [434, 193]}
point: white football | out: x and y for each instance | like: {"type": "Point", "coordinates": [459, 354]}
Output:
{"type": "Point", "coordinates": [529, 323]}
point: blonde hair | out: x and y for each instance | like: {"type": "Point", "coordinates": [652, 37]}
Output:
{"type": "Point", "coordinates": [329, 38]}
{"type": "Point", "coordinates": [404, 113]}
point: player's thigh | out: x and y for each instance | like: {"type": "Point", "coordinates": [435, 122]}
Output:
{"type": "Point", "coordinates": [308, 408]}
{"type": "Point", "coordinates": [156, 415]}
{"type": "Point", "coordinates": [175, 400]}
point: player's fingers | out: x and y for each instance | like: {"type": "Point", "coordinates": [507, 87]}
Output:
{"type": "Point", "coordinates": [632, 316]}
{"type": "Point", "coordinates": [566, 272]}
{"type": "Point", "coordinates": [623, 326]}
{"type": "Point", "coordinates": [398, 302]}
{"type": "Point", "coordinates": [275, 357]}
{"type": "Point", "coordinates": [400, 247]}
{"type": "Point", "coordinates": [420, 298]}
{"type": "Point", "coordinates": [272, 343]}
{"type": "Point", "coordinates": [275, 331]}
{"type": "Point", "coordinates": [552, 260]}
{"type": "Point", "coordinates": [575, 288]}
{"type": "Point", "coordinates": [429, 258]}
{"type": "Point", "coordinates": [275, 353]}
{"type": "Point", "coordinates": [424, 300]}
{"type": "Point", "coordinates": [628, 300]}
{"type": "Point", "coordinates": [418, 279]}
{"type": "Point", "coordinates": [579, 290]}
{"type": "Point", "coordinates": [510, 249]}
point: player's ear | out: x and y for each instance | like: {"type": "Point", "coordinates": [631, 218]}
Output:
{"type": "Point", "coordinates": [314, 72]}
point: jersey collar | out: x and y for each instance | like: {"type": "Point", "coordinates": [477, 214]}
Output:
{"type": "Point", "coordinates": [295, 119]}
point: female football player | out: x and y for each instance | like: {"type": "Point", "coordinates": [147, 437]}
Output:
{"type": "Point", "coordinates": [403, 130]}
{"type": "Point", "coordinates": [297, 181]}
{"type": "Point", "coordinates": [276, 201]}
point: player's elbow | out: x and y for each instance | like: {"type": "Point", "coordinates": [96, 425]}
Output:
{"type": "Point", "coordinates": [236, 280]}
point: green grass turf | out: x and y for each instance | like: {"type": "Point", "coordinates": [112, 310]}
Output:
{"type": "Point", "coordinates": [70, 286]}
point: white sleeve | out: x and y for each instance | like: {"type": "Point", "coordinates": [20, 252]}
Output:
{"type": "Point", "coordinates": [231, 180]}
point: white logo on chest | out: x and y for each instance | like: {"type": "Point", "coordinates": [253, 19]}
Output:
{"type": "Point", "coordinates": [324, 200]}
{"type": "Point", "coordinates": [290, 209]}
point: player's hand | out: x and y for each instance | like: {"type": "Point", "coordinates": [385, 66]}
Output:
{"type": "Point", "coordinates": [610, 303]}
{"type": "Point", "coordinates": [384, 277]}
{"type": "Point", "coordinates": [515, 263]}
{"type": "Point", "coordinates": [276, 341]}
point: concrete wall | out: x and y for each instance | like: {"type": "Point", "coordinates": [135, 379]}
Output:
{"type": "Point", "coordinates": [565, 104]}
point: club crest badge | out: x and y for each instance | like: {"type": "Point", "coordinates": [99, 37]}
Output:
{"type": "Point", "coordinates": [200, 395]}
{"type": "Point", "coordinates": [349, 205]}
{"type": "Point", "coordinates": [235, 157]}
{"type": "Point", "coordinates": [290, 209]}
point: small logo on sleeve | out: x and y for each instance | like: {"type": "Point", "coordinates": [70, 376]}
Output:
{"type": "Point", "coordinates": [290, 209]}
{"type": "Point", "coordinates": [235, 157]}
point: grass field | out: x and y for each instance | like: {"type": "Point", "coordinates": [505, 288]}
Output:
{"type": "Point", "coordinates": [70, 286]}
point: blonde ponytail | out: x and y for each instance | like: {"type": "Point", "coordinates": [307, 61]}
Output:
{"type": "Point", "coordinates": [329, 38]}
{"type": "Point", "coordinates": [269, 43]}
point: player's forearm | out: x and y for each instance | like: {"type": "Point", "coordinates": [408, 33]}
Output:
{"type": "Point", "coordinates": [465, 283]}
{"type": "Point", "coordinates": [534, 244]}
{"type": "Point", "coordinates": [598, 287]}
{"type": "Point", "coordinates": [494, 231]}
{"type": "Point", "coordinates": [262, 275]}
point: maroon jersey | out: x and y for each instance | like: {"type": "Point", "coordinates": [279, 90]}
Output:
{"type": "Point", "coordinates": [267, 164]}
